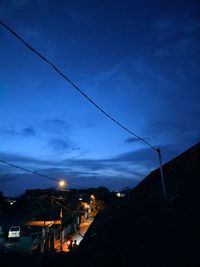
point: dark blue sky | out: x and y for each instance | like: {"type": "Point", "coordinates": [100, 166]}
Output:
{"type": "Point", "coordinates": [138, 60]}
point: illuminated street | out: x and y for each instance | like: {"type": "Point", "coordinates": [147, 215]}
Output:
{"type": "Point", "coordinates": [76, 236]}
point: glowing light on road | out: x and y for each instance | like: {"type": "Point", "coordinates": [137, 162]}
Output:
{"type": "Point", "coordinates": [92, 197]}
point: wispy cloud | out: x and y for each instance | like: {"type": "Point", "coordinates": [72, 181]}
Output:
{"type": "Point", "coordinates": [125, 169]}
{"type": "Point", "coordinates": [29, 131]}
{"type": "Point", "coordinates": [20, 159]}
{"type": "Point", "coordinates": [22, 182]}
{"type": "Point", "coordinates": [176, 32]}
{"type": "Point", "coordinates": [55, 126]}
{"type": "Point", "coordinates": [25, 132]}
{"type": "Point", "coordinates": [109, 73]}
{"type": "Point", "coordinates": [121, 164]}
{"type": "Point", "coordinates": [130, 140]}
{"type": "Point", "coordinates": [9, 7]}
{"type": "Point", "coordinates": [59, 144]}
{"type": "Point", "coordinates": [9, 131]}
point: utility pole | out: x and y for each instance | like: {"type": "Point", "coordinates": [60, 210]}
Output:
{"type": "Point", "coordinates": [52, 206]}
{"type": "Point", "coordinates": [161, 173]}
{"type": "Point", "coordinates": [61, 229]}
{"type": "Point", "coordinates": [87, 97]}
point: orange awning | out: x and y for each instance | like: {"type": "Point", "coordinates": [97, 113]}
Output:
{"type": "Point", "coordinates": [42, 223]}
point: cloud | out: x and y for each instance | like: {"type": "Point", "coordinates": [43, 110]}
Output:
{"type": "Point", "coordinates": [10, 7]}
{"type": "Point", "coordinates": [178, 31]}
{"type": "Point", "coordinates": [113, 71]}
{"type": "Point", "coordinates": [113, 76]}
{"type": "Point", "coordinates": [187, 136]}
{"type": "Point", "coordinates": [55, 126]}
{"type": "Point", "coordinates": [18, 159]}
{"type": "Point", "coordinates": [143, 156]}
{"type": "Point", "coordinates": [59, 144]}
{"type": "Point", "coordinates": [9, 131]}
{"type": "Point", "coordinates": [56, 129]}
{"type": "Point", "coordinates": [78, 167]}
{"type": "Point", "coordinates": [29, 131]}
{"type": "Point", "coordinates": [25, 132]}
{"type": "Point", "coordinates": [8, 178]}
{"type": "Point", "coordinates": [17, 184]}
{"type": "Point", "coordinates": [89, 164]}
{"type": "Point", "coordinates": [125, 169]}
{"type": "Point", "coordinates": [111, 182]}
{"type": "Point", "coordinates": [180, 128]}
{"type": "Point", "coordinates": [130, 140]}
{"type": "Point", "coordinates": [76, 148]}
{"type": "Point", "coordinates": [135, 163]}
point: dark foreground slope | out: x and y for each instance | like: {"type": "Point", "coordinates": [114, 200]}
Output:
{"type": "Point", "coordinates": [144, 230]}
{"type": "Point", "coordinates": [148, 230]}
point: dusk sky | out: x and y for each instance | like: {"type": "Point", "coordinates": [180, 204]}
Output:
{"type": "Point", "coordinates": [138, 60]}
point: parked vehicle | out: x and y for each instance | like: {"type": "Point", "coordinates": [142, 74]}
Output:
{"type": "Point", "coordinates": [14, 232]}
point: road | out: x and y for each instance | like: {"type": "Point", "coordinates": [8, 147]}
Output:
{"type": "Point", "coordinates": [24, 244]}
{"type": "Point", "coordinates": [76, 236]}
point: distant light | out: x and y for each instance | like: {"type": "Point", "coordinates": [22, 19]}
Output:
{"type": "Point", "coordinates": [92, 197]}
{"type": "Point", "coordinates": [80, 198]}
{"type": "Point", "coordinates": [11, 202]}
{"type": "Point", "coordinates": [120, 194]}
{"type": "Point", "coordinates": [86, 205]}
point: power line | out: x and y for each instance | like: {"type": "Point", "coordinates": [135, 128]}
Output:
{"type": "Point", "coordinates": [26, 170]}
{"type": "Point", "coordinates": [44, 200]}
{"type": "Point", "coordinates": [75, 212]}
{"type": "Point", "coordinates": [73, 84]}
{"type": "Point", "coordinates": [90, 100]}
{"type": "Point", "coordinates": [39, 174]}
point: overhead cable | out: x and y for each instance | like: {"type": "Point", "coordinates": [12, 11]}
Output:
{"type": "Point", "coordinates": [39, 174]}
{"type": "Point", "coordinates": [74, 85]}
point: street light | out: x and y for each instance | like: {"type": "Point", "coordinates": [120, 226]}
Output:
{"type": "Point", "coordinates": [62, 183]}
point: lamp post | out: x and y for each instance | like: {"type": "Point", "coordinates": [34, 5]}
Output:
{"type": "Point", "coordinates": [62, 184]}
{"type": "Point", "coordinates": [61, 229]}
{"type": "Point", "coordinates": [161, 174]}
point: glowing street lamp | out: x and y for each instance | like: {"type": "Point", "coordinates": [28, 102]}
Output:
{"type": "Point", "coordinates": [62, 183]}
